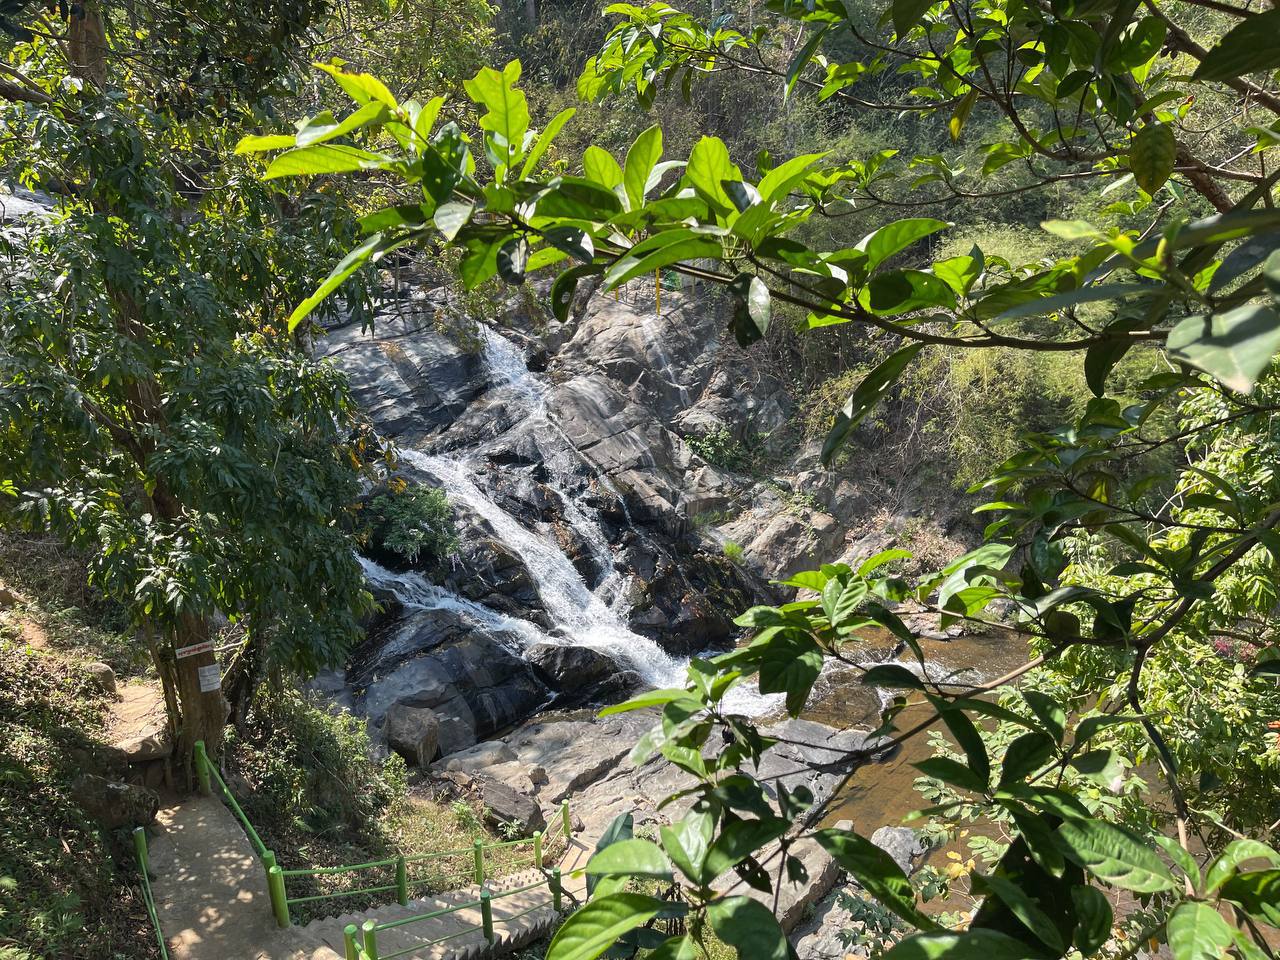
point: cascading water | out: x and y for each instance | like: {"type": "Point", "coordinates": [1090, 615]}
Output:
{"type": "Point", "coordinates": [581, 617]}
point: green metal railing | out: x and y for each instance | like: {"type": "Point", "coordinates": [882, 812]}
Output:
{"type": "Point", "coordinates": [361, 942]}
{"type": "Point", "coordinates": [144, 867]}
{"type": "Point", "coordinates": [209, 778]}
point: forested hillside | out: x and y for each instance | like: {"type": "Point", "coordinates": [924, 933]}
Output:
{"type": "Point", "coordinates": [746, 425]}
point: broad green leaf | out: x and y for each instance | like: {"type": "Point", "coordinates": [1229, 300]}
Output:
{"type": "Point", "coordinates": [976, 944]}
{"type": "Point", "coordinates": [633, 857]}
{"type": "Point", "coordinates": [360, 87]}
{"type": "Point", "coordinates": [600, 166]}
{"type": "Point", "coordinates": [892, 676]}
{"type": "Point", "coordinates": [952, 772]}
{"type": "Point", "coordinates": [1152, 153]}
{"type": "Point", "coordinates": [753, 307]}
{"type": "Point", "coordinates": [880, 559]}
{"type": "Point", "coordinates": [969, 740]}
{"type": "Point", "coordinates": [661, 250]}
{"type": "Point", "coordinates": [864, 399]}
{"type": "Point", "coordinates": [908, 13]}
{"type": "Point", "coordinates": [1094, 918]}
{"type": "Point", "coordinates": [1233, 855]}
{"type": "Point", "coordinates": [1089, 294]}
{"type": "Point", "coordinates": [642, 157]}
{"type": "Point", "coordinates": [594, 928]}
{"type": "Point", "coordinates": [1115, 856]}
{"type": "Point", "coordinates": [353, 261]}
{"type": "Point", "coordinates": [272, 141]}
{"type": "Point", "coordinates": [1039, 837]}
{"type": "Point", "coordinates": [544, 141]}
{"type": "Point", "coordinates": [779, 181]}
{"type": "Point", "coordinates": [708, 166]}
{"type": "Point", "coordinates": [801, 59]}
{"type": "Point", "coordinates": [507, 110]}
{"type": "Point", "coordinates": [1025, 756]}
{"type": "Point", "coordinates": [1048, 711]}
{"type": "Point", "coordinates": [739, 839]}
{"type": "Point", "coordinates": [901, 291]}
{"type": "Point", "coordinates": [578, 199]}
{"type": "Point", "coordinates": [1248, 47]}
{"type": "Point", "coordinates": [1258, 892]}
{"type": "Point", "coordinates": [687, 841]}
{"type": "Point", "coordinates": [562, 291]}
{"type": "Point", "coordinates": [1233, 347]}
{"type": "Point", "coordinates": [1197, 932]}
{"type": "Point", "coordinates": [960, 116]}
{"type": "Point", "coordinates": [323, 158]}
{"type": "Point", "coordinates": [452, 217]}
{"type": "Point", "coordinates": [895, 237]}
{"type": "Point", "coordinates": [749, 927]}
{"type": "Point", "coordinates": [1023, 907]}
{"type": "Point", "coordinates": [876, 871]}
{"type": "Point", "coordinates": [314, 132]}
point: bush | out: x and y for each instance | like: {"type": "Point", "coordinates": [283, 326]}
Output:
{"type": "Point", "coordinates": [722, 449]}
{"type": "Point", "coordinates": [411, 521]}
{"type": "Point", "coordinates": [733, 551]}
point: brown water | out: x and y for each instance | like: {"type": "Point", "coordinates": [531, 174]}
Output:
{"type": "Point", "coordinates": [881, 794]}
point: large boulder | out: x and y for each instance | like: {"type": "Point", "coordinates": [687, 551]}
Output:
{"type": "Point", "coordinates": [411, 379]}
{"type": "Point", "coordinates": [568, 666]}
{"type": "Point", "coordinates": [447, 661]}
{"type": "Point", "coordinates": [414, 733]}
{"type": "Point", "coordinates": [113, 804]}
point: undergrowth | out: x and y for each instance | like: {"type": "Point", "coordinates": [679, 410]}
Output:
{"type": "Point", "coordinates": [67, 888]}
{"type": "Point", "coordinates": [308, 781]}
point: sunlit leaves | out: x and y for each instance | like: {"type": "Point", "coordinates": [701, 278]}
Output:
{"type": "Point", "coordinates": [1248, 47]}
{"type": "Point", "coordinates": [1152, 152]}
{"type": "Point", "coordinates": [597, 926]}
{"type": "Point", "coordinates": [1235, 346]}
{"type": "Point", "coordinates": [323, 158]}
{"type": "Point", "coordinates": [863, 400]}
{"type": "Point", "coordinates": [1115, 856]}
{"type": "Point", "coordinates": [876, 871]}
{"type": "Point", "coordinates": [506, 117]}
{"type": "Point", "coordinates": [1197, 932]}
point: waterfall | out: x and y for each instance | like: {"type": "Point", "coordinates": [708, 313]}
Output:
{"type": "Point", "coordinates": [581, 616]}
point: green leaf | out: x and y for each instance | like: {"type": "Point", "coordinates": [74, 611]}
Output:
{"type": "Point", "coordinates": [876, 871]}
{"type": "Point", "coordinates": [594, 928]}
{"type": "Point", "coordinates": [960, 116]}
{"type": "Point", "coordinates": [1233, 855]}
{"type": "Point", "coordinates": [892, 676]}
{"type": "Point", "coordinates": [1094, 918]}
{"type": "Point", "coordinates": [506, 119]}
{"type": "Point", "coordinates": [1040, 839]}
{"type": "Point", "coordinates": [754, 306]}
{"type": "Point", "coordinates": [642, 157]}
{"type": "Point", "coordinates": [969, 740]}
{"type": "Point", "coordinates": [895, 237]}
{"type": "Point", "coordinates": [452, 217]}
{"type": "Point", "coordinates": [314, 132]}
{"type": "Point", "coordinates": [1025, 756]}
{"type": "Point", "coordinates": [348, 265]}
{"type": "Point", "coordinates": [907, 13]}
{"type": "Point", "coordinates": [599, 165]}
{"type": "Point", "coordinates": [544, 141]}
{"type": "Point", "coordinates": [577, 199]}
{"type": "Point", "coordinates": [661, 250]}
{"type": "Point", "coordinates": [323, 158]}
{"type": "Point", "coordinates": [1197, 932]}
{"type": "Point", "coordinates": [708, 166]}
{"type": "Point", "coordinates": [1248, 47]}
{"type": "Point", "coordinates": [739, 839]}
{"type": "Point", "coordinates": [802, 58]}
{"type": "Point", "coordinates": [1233, 347]}
{"type": "Point", "coordinates": [272, 141]}
{"type": "Point", "coordinates": [952, 772]}
{"type": "Point", "coordinates": [1087, 294]}
{"type": "Point", "coordinates": [1152, 153]}
{"type": "Point", "coordinates": [562, 291]}
{"type": "Point", "coordinates": [1115, 856]}
{"type": "Point", "coordinates": [976, 944]}
{"type": "Point", "coordinates": [901, 291]}
{"type": "Point", "coordinates": [749, 927]}
{"type": "Point", "coordinates": [360, 87]}
{"type": "Point", "coordinates": [631, 857]}
{"type": "Point", "coordinates": [1048, 711]}
{"type": "Point", "coordinates": [790, 664]}
{"type": "Point", "coordinates": [864, 399]}
{"type": "Point", "coordinates": [1271, 275]}
{"type": "Point", "coordinates": [687, 841]}
{"type": "Point", "coordinates": [513, 256]}
{"type": "Point", "coordinates": [1023, 907]}
{"type": "Point", "coordinates": [1258, 892]}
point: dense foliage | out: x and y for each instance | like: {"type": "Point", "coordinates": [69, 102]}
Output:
{"type": "Point", "coordinates": [1134, 541]}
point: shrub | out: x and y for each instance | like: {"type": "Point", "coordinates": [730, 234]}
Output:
{"type": "Point", "coordinates": [733, 551]}
{"type": "Point", "coordinates": [722, 449]}
{"type": "Point", "coordinates": [411, 521]}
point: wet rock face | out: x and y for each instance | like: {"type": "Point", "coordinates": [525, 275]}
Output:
{"type": "Point", "coordinates": [469, 679]}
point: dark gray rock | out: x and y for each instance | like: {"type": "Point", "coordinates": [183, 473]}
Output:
{"type": "Point", "coordinates": [572, 667]}
{"type": "Point", "coordinates": [414, 733]}
{"type": "Point", "coordinates": [441, 660]}
{"type": "Point", "coordinates": [509, 810]}
{"type": "Point", "coordinates": [902, 844]}
{"type": "Point", "coordinates": [112, 804]}
{"type": "Point", "coordinates": [102, 675]}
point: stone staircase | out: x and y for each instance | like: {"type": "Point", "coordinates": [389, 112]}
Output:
{"type": "Point", "coordinates": [213, 905]}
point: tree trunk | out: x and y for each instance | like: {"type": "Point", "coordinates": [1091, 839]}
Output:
{"type": "Point", "coordinates": [87, 43]}
{"type": "Point", "coordinates": [203, 711]}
